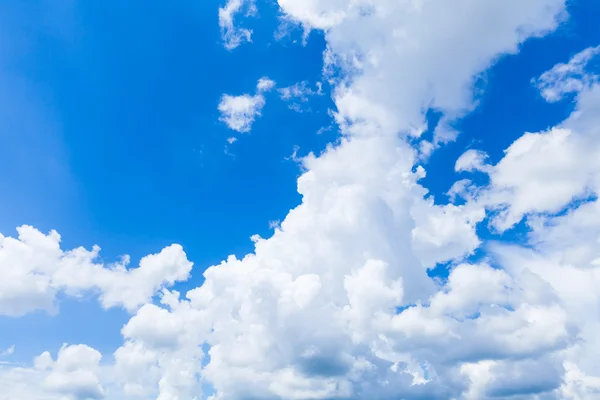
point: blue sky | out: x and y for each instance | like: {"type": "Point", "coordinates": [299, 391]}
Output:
{"type": "Point", "coordinates": [112, 135]}
{"type": "Point", "coordinates": [115, 139]}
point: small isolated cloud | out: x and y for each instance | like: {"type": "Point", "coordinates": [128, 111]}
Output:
{"type": "Point", "coordinates": [265, 84]}
{"type": "Point", "coordinates": [567, 78]}
{"type": "Point", "coordinates": [232, 35]}
{"type": "Point", "coordinates": [299, 94]}
{"type": "Point", "coordinates": [239, 112]}
{"type": "Point", "coordinates": [472, 160]}
{"type": "Point", "coordinates": [8, 351]}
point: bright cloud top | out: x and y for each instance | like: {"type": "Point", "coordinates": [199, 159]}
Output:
{"type": "Point", "coordinates": [340, 302]}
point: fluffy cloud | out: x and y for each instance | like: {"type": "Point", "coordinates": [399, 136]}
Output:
{"type": "Point", "coordinates": [471, 160]}
{"type": "Point", "coordinates": [232, 35]}
{"type": "Point", "coordinates": [239, 112]}
{"type": "Point", "coordinates": [345, 261]}
{"type": "Point", "coordinates": [338, 302]}
{"type": "Point", "coordinates": [33, 269]}
{"type": "Point", "coordinates": [552, 179]}
{"type": "Point", "coordinates": [544, 172]}
{"type": "Point", "coordinates": [74, 375]}
{"type": "Point", "coordinates": [397, 68]}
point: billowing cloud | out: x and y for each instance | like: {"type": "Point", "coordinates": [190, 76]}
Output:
{"type": "Point", "coordinates": [338, 302]}
{"type": "Point", "coordinates": [552, 180]}
{"type": "Point", "coordinates": [74, 375]}
{"type": "Point", "coordinates": [544, 172]}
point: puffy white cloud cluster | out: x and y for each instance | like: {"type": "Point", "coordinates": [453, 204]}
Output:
{"type": "Point", "coordinates": [312, 313]}
{"type": "Point", "coordinates": [544, 172]}
{"type": "Point", "coordinates": [337, 304]}
{"type": "Point", "coordinates": [552, 179]}
{"type": "Point", "coordinates": [33, 269]}
{"type": "Point", "coordinates": [239, 112]}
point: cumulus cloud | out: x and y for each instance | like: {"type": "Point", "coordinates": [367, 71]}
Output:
{"type": "Point", "coordinates": [33, 269]}
{"type": "Point", "coordinates": [552, 180]}
{"type": "Point", "coordinates": [337, 303]}
{"type": "Point", "coordinates": [232, 35]}
{"type": "Point", "coordinates": [74, 375]}
{"type": "Point", "coordinates": [543, 172]}
{"type": "Point", "coordinates": [265, 84]}
{"type": "Point", "coordinates": [239, 112]}
{"type": "Point", "coordinates": [471, 160]}
{"type": "Point", "coordinates": [394, 68]}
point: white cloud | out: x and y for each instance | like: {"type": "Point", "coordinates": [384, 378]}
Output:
{"type": "Point", "coordinates": [232, 35]}
{"type": "Point", "coordinates": [239, 112]}
{"type": "Point", "coordinates": [395, 69]}
{"type": "Point", "coordinates": [299, 94]}
{"type": "Point", "coordinates": [538, 179]}
{"type": "Point", "coordinates": [471, 160]}
{"type": "Point", "coordinates": [8, 352]}
{"type": "Point", "coordinates": [338, 303]}
{"type": "Point", "coordinates": [445, 232]}
{"type": "Point", "coordinates": [265, 84]}
{"type": "Point", "coordinates": [544, 172]}
{"type": "Point", "coordinates": [33, 269]}
{"type": "Point", "coordinates": [567, 78]}
{"type": "Point", "coordinates": [74, 375]}
{"type": "Point", "coordinates": [356, 250]}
